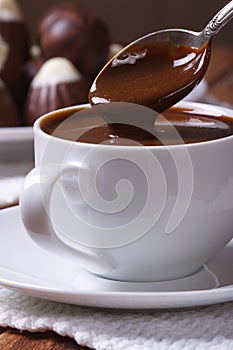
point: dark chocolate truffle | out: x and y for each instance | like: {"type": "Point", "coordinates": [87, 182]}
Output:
{"type": "Point", "coordinates": [72, 31]}
{"type": "Point", "coordinates": [57, 84]}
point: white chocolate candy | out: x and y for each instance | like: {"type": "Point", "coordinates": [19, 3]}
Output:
{"type": "Point", "coordinates": [55, 71]}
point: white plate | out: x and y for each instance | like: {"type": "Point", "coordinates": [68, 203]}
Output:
{"type": "Point", "coordinates": [16, 144]}
{"type": "Point", "coordinates": [16, 151]}
{"type": "Point", "coordinates": [27, 268]}
{"type": "Point", "coordinates": [13, 134]}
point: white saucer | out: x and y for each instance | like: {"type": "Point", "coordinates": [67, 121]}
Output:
{"type": "Point", "coordinates": [27, 268]}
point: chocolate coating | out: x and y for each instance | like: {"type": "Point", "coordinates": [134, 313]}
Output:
{"type": "Point", "coordinates": [71, 31]}
{"type": "Point", "coordinates": [41, 100]}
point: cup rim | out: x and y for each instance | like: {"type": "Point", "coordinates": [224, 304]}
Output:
{"type": "Point", "coordinates": [188, 104]}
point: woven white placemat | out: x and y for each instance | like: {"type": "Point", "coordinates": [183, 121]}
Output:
{"type": "Point", "coordinates": [206, 328]}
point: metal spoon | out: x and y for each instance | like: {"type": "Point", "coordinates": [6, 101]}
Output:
{"type": "Point", "coordinates": [139, 75]}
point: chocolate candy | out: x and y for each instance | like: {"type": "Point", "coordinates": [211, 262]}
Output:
{"type": "Point", "coordinates": [72, 31]}
{"type": "Point", "coordinates": [13, 29]}
{"type": "Point", "coordinates": [10, 69]}
{"type": "Point", "coordinates": [14, 37]}
{"type": "Point", "coordinates": [57, 84]}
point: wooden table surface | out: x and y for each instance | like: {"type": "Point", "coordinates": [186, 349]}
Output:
{"type": "Point", "coordinates": [220, 79]}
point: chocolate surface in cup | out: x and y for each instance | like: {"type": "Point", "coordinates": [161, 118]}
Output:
{"type": "Point", "coordinates": [192, 126]}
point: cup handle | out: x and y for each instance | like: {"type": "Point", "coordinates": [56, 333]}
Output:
{"type": "Point", "coordinates": [38, 224]}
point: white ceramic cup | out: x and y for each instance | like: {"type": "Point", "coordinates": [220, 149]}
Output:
{"type": "Point", "coordinates": [131, 213]}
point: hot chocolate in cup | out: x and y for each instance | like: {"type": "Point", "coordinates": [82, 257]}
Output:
{"type": "Point", "coordinates": [137, 204]}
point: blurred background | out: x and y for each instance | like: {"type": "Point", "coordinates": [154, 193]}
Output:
{"type": "Point", "coordinates": [128, 20]}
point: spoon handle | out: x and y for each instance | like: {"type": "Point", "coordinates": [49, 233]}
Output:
{"type": "Point", "coordinates": [218, 21]}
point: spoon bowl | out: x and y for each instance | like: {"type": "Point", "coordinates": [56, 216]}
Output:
{"type": "Point", "coordinates": [156, 71]}
{"type": "Point", "coordinates": [159, 69]}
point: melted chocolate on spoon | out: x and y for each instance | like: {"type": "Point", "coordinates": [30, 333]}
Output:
{"type": "Point", "coordinates": [152, 74]}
